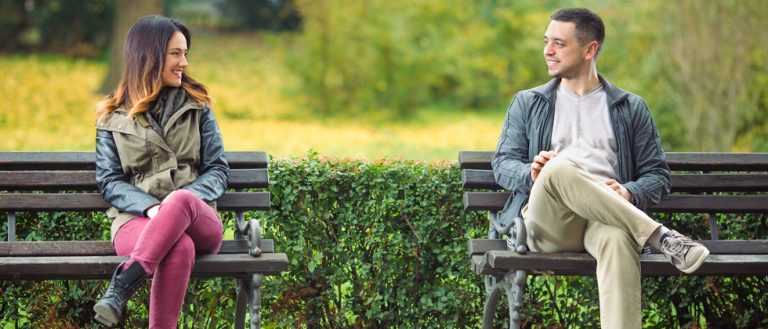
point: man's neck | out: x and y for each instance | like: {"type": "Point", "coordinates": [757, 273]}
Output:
{"type": "Point", "coordinates": [582, 84]}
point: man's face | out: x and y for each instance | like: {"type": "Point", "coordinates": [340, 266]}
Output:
{"type": "Point", "coordinates": [564, 55]}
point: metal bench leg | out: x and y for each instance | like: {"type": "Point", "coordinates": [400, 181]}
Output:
{"type": "Point", "coordinates": [514, 285]}
{"type": "Point", "coordinates": [491, 302]}
{"type": "Point", "coordinates": [243, 288]}
{"type": "Point", "coordinates": [249, 292]}
{"type": "Point", "coordinates": [515, 293]}
{"type": "Point", "coordinates": [517, 279]}
{"type": "Point", "coordinates": [255, 295]}
{"type": "Point", "coordinates": [514, 280]}
{"type": "Point", "coordinates": [248, 287]}
{"type": "Point", "coordinates": [493, 234]}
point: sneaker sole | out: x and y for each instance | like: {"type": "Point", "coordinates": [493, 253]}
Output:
{"type": "Point", "coordinates": [105, 315]}
{"type": "Point", "coordinates": [697, 264]}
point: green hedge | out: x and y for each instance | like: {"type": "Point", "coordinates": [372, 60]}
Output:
{"type": "Point", "coordinates": [383, 244]}
{"type": "Point", "coordinates": [372, 244]}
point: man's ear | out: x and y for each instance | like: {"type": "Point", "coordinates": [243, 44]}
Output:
{"type": "Point", "coordinates": [590, 51]}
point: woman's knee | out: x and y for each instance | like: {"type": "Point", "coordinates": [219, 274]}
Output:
{"type": "Point", "coordinates": [182, 252]}
{"type": "Point", "coordinates": [182, 196]}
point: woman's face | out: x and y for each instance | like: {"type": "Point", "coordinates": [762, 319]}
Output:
{"type": "Point", "coordinates": [175, 61]}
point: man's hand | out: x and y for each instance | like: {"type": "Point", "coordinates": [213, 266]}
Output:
{"type": "Point", "coordinates": [539, 161]}
{"type": "Point", "coordinates": [618, 188]}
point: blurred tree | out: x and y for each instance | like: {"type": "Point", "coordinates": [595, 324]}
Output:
{"type": "Point", "coordinates": [126, 13]}
{"type": "Point", "coordinates": [273, 15]}
{"type": "Point", "coordinates": [397, 55]}
{"type": "Point", "coordinates": [716, 69]}
{"type": "Point", "coordinates": [71, 27]}
{"type": "Point", "coordinates": [12, 22]}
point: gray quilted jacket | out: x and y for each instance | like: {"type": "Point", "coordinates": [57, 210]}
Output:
{"type": "Point", "coordinates": [527, 130]}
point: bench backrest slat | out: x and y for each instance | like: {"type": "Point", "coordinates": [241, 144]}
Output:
{"type": "Point", "coordinates": [679, 161]}
{"type": "Point", "coordinates": [50, 180]}
{"type": "Point", "coordinates": [494, 201]}
{"type": "Point", "coordinates": [85, 160]}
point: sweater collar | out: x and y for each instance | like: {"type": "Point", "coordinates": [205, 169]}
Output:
{"type": "Point", "coordinates": [613, 93]}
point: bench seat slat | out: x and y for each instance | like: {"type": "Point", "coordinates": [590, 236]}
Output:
{"type": "Point", "coordinates": [494, 201]}
{"type": "Point", "coordinates": [498, 262]}
{"type": "Point", "coordinates": [733, 247]}
{"type": "Point", "coordinates": [84, 160]}
{"type": "Point", "coordinates": [93, 201]}
{"type": "Point", "coordinates": [105, 248]}
{"type": "Point", "coordinates": [102, 267]}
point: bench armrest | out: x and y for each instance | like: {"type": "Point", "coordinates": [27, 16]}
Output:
{"type": "Point", "coordinates": [250, 231]}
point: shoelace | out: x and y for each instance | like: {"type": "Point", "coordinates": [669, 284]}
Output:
{"type": "Point", "coordinates": [675, 244]}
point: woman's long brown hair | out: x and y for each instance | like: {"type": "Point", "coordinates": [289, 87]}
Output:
{"type": "Point", "coordinates": [143, 58]}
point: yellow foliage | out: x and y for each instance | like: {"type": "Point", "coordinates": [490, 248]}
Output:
{"type": "Point", "coordinates": [50, 103]}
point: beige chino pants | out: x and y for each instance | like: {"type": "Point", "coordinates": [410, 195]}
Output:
{"type": "Point", "coordinates": [571, 211]}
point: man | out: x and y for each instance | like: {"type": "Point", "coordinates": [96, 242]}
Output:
{"type": "Point", "coordinates": [582, 159]}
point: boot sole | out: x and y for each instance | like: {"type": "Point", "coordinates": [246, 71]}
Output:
{"type": "Point", "coordinates": [105, 315]}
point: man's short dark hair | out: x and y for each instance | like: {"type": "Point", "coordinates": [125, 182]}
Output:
{"type": "Point", "coordinates": [589, 26]}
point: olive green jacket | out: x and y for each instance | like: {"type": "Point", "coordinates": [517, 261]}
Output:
{"type": "Point", "coordinates": [138, 163]}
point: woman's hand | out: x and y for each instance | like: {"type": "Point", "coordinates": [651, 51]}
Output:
{"type": "Point", "coordinates": [152, 211]}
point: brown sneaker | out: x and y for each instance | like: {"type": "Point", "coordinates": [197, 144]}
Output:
{"type": "Point", "coordinates": [687, 255]}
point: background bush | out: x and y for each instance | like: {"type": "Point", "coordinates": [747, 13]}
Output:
{"type": "Point", "coordinates": [73, 27]}
{"type": "Point", "coordinates": [383, 244]}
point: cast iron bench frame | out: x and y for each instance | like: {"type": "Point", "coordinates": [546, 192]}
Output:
{"type": "Point", "coordinates": [67, 182]}
{"type": "Point", "coordinates": [701, 183]}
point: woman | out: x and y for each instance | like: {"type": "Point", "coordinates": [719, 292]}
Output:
{"type": "Point", "coordinates": [160, 164]}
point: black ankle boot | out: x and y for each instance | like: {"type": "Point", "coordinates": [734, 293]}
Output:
{"type": "Point", "coordinates": [123, 285]}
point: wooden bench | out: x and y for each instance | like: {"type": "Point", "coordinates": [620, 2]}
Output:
{"type": "Point", "coordinates": [65, 181]}
{"type": "Point", "coordinates": [706, 183]}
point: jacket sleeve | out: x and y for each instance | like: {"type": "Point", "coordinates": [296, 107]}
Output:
{"type": "Point", "coordinates": [652, 180]}
{"type": "Point", "coordinates": [112, 182]}
{"type": "Point", "coordinates": [214, 169]}
{"type": "Point", "coordinates": [511, 164]}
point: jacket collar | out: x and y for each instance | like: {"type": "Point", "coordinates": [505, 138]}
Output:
{"type": "Point", "coordinates": [613, 93]}
{"type": "Point", "coordinates": [119, 121]}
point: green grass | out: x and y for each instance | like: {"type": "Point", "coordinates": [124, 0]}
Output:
{"type": "Point", "coordinates": [51, 99]}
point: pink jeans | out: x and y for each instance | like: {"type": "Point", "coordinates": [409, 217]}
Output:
{"type": "Point", "coordinates": [165, 247]}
